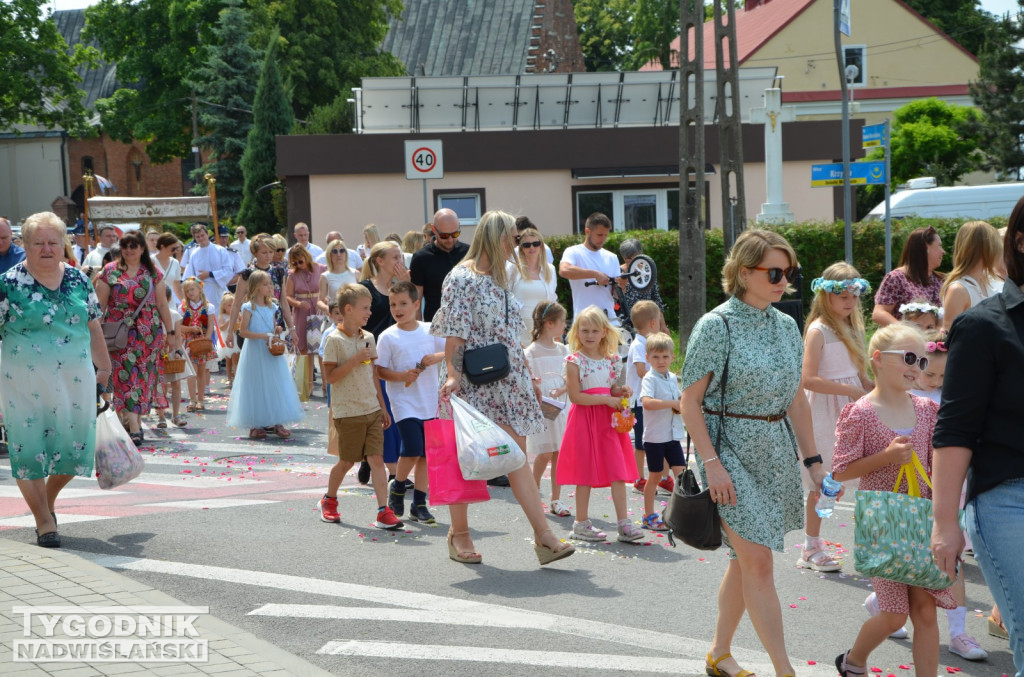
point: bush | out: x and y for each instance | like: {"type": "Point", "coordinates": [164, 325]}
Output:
{"type": "Point", "coordinates": [818, 244]}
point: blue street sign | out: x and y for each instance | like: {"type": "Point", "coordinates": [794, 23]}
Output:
{"type": "Point", "coordinates": [844, 17]}
{"type": "Point", "coordinates": [873, 136]}
{"type": "Point", "coordinates": [861, 174]}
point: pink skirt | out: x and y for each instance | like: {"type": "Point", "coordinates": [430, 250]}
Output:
{"type": "Point", "coordinates": [593, 454]}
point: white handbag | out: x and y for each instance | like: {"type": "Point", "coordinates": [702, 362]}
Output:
{"type": "Point", "coordinates": [485, 450]}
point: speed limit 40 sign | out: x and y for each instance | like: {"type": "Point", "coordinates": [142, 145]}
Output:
{"type": "Point", "coordinates": [423, 160]}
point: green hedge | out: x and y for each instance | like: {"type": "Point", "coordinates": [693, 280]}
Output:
{"type": "Point", "coordinates": [817, 244]}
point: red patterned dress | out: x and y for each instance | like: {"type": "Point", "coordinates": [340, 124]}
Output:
{"type": "Point", "coordinates": [199, 315]}
{"type": "Point", "coordinates": [136, 369]}
{"type": "Point", "coordinates": [861, 433]}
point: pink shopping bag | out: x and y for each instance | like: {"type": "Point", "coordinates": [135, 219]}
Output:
{"type": "Point", "coordinates": [447, 487]}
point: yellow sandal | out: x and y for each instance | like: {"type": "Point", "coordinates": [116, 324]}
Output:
{"type": "Point", "coordinates": [712, 669]}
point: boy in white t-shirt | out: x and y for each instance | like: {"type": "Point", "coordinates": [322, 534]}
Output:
{"type": "Point", "coordinates": [407, 359]}
{"type": "Point", "coordinates": [659, 396]}
{"type": "Point", "coordinates": [646, 319]}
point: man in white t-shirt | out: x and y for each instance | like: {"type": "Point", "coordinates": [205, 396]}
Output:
{"type": "Point", "coordinates": [301, 232]}
{"type": "Point", "coordinates": [588, 262]}
{"type": "Point", "coordinates": [353, 257]}
{"type": "Point", "coordinates": [242, 246]}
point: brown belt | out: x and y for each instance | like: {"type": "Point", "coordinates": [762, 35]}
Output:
{"type": "Point", "coordinates": [771, 418]}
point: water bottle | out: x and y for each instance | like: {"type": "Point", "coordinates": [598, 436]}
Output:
{"type": "Point", "coordinates": [830, 489]}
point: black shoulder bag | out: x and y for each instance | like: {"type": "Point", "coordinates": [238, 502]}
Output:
{"type": "Point", "coordinates": [489, 363]}
{"type": "Point", "coordinates": [691, 515]}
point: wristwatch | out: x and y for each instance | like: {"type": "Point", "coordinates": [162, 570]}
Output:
{"type": "Point", "coordinates": [172, 332]}
{"type": "Point", "coordinates": [811, 460]}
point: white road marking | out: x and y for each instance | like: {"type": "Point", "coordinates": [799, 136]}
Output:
{"type": "Point", "coordinates": [534, 620]}
{"type": "Point", "coordinates": [14, 492]}
{"type": "Point", "coordinates": [204, 503]}
{"type": "Point", "coordinates": [62, 519]}
{"type": "Point", "coordinates": [557, 659]}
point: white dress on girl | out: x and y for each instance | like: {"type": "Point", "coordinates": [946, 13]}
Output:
{"type": "Point", "coordinates": [834, 365]}
{"type": "Point", "coordinates": [548, 364]}
{"type": "Point", "coordinates": [264, 394]}
{"type": "Point", "coordinates": [529, 293]}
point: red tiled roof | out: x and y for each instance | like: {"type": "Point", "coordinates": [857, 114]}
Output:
{"type": "Point", "coordinates": [756, 26]}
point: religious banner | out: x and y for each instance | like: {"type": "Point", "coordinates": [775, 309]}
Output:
{"type": "Point", "coordinates": [121, 209]}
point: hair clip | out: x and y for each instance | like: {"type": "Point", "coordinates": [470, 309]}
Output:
{"type": "Point", "coordinates": [936, 346]}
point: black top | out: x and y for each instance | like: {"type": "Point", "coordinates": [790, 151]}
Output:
{"type": "Point", "coordinates": [428, 269]}
{"type": "Point", "coordinates": [981, 404]}
{"type": "Point", "coordinates": [380, 311]}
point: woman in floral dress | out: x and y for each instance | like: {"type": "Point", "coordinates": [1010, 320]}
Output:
{"type": "Point", "coordinates": [301, 290]}
{"type": "Point", "coordinates": [478, 309]}
{"type": "Point", "coordinates": [753, 474]}
{"type": "Point", "coordinates": [50, 326]}
{"type": "Point", "coordinates": [915, 278]}
{"type": "Point", "coordinates": [125, 284]}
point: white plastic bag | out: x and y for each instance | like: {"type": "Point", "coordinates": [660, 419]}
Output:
{"type": "Point", "coordinates": [485, 450]}
{"type": "Point", "coordinates": [117, 460]}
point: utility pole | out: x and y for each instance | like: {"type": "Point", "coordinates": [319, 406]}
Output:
{"type": "Point", "coordinates": [841, 62]}
{"type": "Point", "coordinates": [692, 264]}
{"type": "Point", "coordinates": [727, 80]}
{"type": "Point", "coordinates": [195, 134]}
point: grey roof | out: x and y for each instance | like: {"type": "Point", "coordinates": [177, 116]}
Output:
{"type": "Point", "coordinates": [99, 82]}
{"type": "Point", "coordinates": [462, 37]}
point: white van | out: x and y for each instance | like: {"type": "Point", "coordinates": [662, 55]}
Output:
{"type": "Point", "coordinates": [957, 202]}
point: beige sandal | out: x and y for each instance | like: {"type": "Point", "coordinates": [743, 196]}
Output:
{"type": "Point", "coordinates": [547, 555]}
{"type": "Point", "coordinates": [463, 556]}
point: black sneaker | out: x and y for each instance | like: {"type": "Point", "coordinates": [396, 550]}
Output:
{"type": "Point", "coordinates": [364, 473]}
{"type": "Point", "coordinates": [419, 513]}
{"type": "Point", "coordinates": [396, 499]}
{"type": "Point", "coordinates": [500, 481]}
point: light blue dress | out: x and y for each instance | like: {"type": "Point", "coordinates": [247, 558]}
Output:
{"type": "Point", "coordinates": [264, 393]}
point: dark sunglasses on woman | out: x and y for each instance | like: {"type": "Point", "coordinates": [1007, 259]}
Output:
{"type": "Point", "coordinates": [527, 245]}
{"type": "Point", "coordinates": [130, 244]}
{"type": "Point", "coordinates": [909, 358]}
{"type": "Point", "coordinates": [775, 275]}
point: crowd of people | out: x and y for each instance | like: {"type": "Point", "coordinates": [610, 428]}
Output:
{"type": "Point", "coordinates": [390, 329]}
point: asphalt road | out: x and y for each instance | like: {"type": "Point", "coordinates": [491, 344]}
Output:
{"type": "Point", "coordinates": [221, 521]}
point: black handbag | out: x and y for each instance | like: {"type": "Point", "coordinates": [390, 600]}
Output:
{"type": "Point", "coordinates": [489, 363]}
{"type": "Point", "coordinates": [691, 515]}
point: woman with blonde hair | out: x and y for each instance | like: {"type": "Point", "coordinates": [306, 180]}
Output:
{"type": "Point", "coordinates": [338, 274]}
{"type": "Point", "coordinates": [301, 291]}
{"type": "Point", "coordinates": [411, 243]}
{"type": "Point", "coordinates": [977, 251]}
{"type": "Point", "coordinates": [371, 237]}
{"type": "Point", "coordinates": [536, 281]}
{"type": "Point", "coordinates": [477, 309]}
{"type": "Point", "coordinates": [747, 434]}
{"type": "Point", "coordinates": [279, 250]}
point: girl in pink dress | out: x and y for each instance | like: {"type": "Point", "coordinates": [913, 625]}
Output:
{"type": "Point", "coordinates": [875, 436]}
{"type": "Point", "coordinates": [593, 453]}
{"type": "Point", "coordinates": [833, 375]}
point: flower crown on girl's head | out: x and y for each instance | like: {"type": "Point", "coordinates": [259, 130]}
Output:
{"type": "Point", "coordinates": [921, 307]}
{"type": "Point", "coordinates": [855, 286]}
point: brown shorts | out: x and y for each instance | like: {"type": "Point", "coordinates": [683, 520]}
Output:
{"type": "Point", "coordinates": [360, 436]}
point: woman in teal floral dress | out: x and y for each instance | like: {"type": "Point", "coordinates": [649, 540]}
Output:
{"type": "Point", "coordinates": [49, 323]}
{"type": "Point", "coordinates": [753, 476]}
{"type": "Point", "coordinates": [131, 281]}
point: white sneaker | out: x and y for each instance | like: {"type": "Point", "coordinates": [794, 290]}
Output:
{"type": "Point", "coordinates": [967, 647]}
{"type": "Point", "coordinates": [871, 606]}
{"type": "Point", "coordinates": [585, 531]}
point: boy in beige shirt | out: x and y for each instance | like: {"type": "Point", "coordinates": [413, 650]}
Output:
{"type": "Point", "coordinates": [358, 413]}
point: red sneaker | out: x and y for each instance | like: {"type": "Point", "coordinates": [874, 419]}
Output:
{"type": "Point", "coordinates": [639, 485]}
{"type": "Point", "coordinates": [329, 509]}
{"type": "Point", "coordinates": [386, 520]}
{"type": "Point", "coordinates": [667, 485]}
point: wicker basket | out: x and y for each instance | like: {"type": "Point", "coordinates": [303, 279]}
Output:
{"type": "Point", "coordinates": [174, 365]}
{"type": "Point", "coordinates": [276, 346]}
{"type": "Point", "coordinates": [200, 347]}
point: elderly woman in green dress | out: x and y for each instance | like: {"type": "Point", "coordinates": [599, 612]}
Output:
{"type": "Point", "coordinates": [753, 474]}
{"type": "Point", "coordinates": [50, 326]}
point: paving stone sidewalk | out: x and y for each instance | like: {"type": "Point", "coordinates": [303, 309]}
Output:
{"type": "Point", "coordinates": [31, 576]}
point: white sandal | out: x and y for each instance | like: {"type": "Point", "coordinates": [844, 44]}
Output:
{"type": "Point", "coordinates": [818, 560]}
{"type": "Point", "coordinates": [559, 509]}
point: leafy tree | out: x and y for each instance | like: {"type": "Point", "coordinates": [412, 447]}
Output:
{"type": "Point", "coordinates": [999, 93]}
{"type": "Point", "coordinates": [605, 31]}
{"type": "Point", "coordinates": [962, 20]}
{"type": "Point", "coordinates": [38, 83]}
{"type": "Point", "coordinates": [226, 87]}
{"type": "Point", "coordinates": [158, 45]}
{"type": "Point", "coordinates": [272, 115]}
{"type": "Point", "coordinates": [328, 46]}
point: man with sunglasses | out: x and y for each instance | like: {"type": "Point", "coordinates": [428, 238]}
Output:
{"type": "Point", "coordinates": [214, 265]}
{"type": "Point", "coordinates": [431, 264]}
{"type": "Point", "coordinates": [241, 246]}
{"type": "Point", "coordinates": [588, 262]}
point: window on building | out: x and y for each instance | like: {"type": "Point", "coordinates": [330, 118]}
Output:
{"type": "Point", "coordinates": [469, 203]}
{"type": "Point", "coordinates": [631, 208]}
{"type": "Point", "coordinates": [856, 56]}
{"type": "Point", "coordinates": [87, 165]}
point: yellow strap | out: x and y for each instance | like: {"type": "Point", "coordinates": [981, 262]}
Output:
{"type": "Point", "coordinates": [911, 471]}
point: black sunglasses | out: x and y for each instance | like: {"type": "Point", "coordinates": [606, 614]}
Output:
{"type": "Point", "coordinates": [337, 251]}
{"type": "Point", "coordinates": [775, 275]}
{"type": "Point", "coordinates": [909, 358]}
{"type": "Point", "coordinates": [528, 245]}
{"type": "Point", "coordinates": [279, 251]}
{"type": "Point", "coordinates": [130, 244]}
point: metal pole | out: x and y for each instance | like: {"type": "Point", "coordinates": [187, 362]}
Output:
{"type": "Point", "coordinates": [847, 202]}
{"type": "Point", "coordinates": [426, 212]}
{"type": "Point", "coordinates": [888, 192]}
{"type": "Point", "coordinates": [195, 133]}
